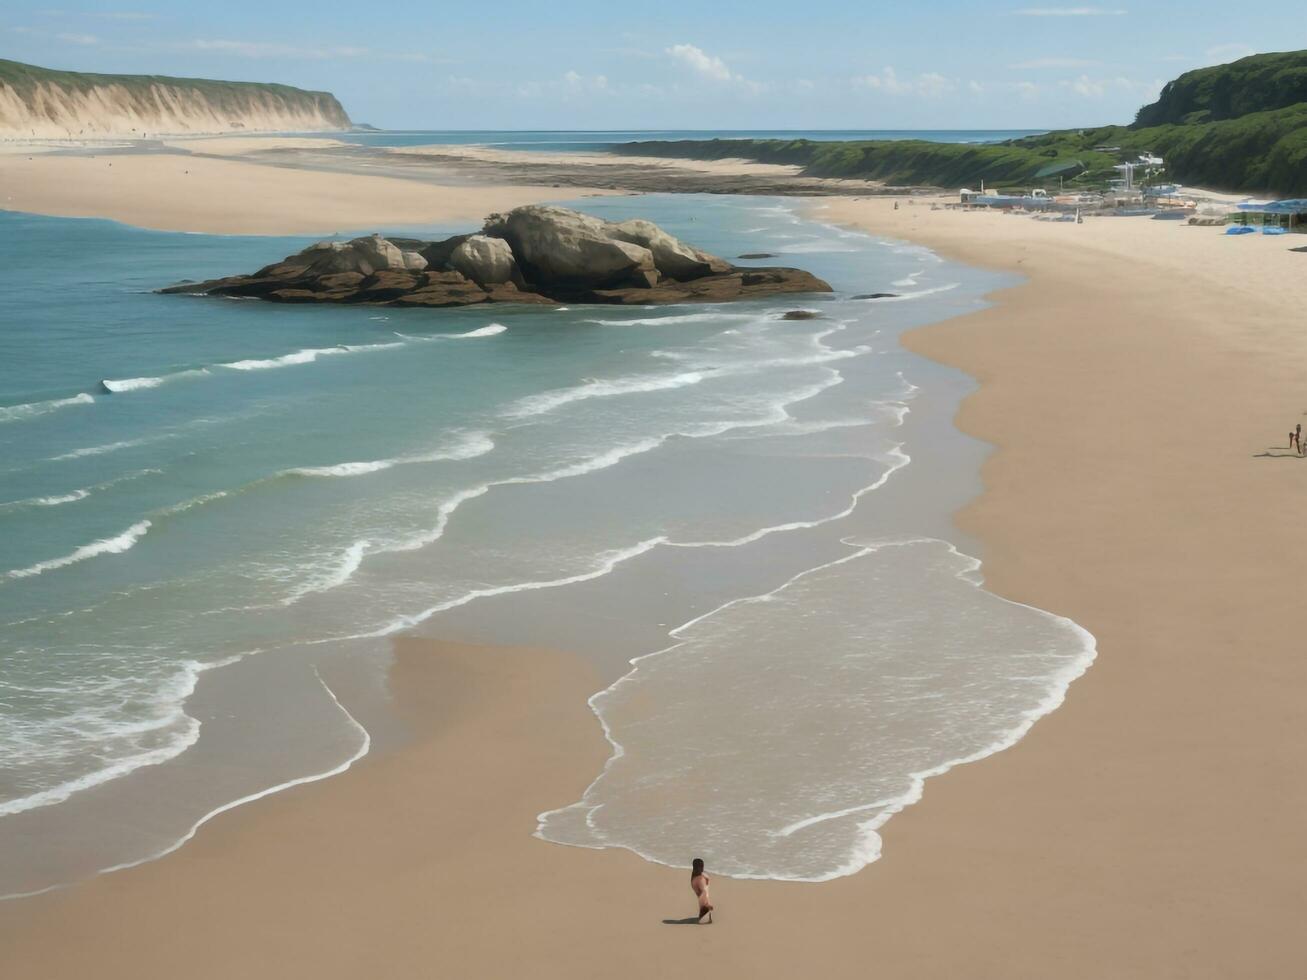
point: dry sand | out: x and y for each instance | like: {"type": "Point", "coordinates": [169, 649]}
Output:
{"type": "Point", "coordinates": [491, 154]}
{"type": "Point", "coordinates": [1150, 828]}
{"type": "Point", "coordinates": [173, 191]}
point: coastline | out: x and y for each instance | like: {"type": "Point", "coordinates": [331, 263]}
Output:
{"type": "Point", "coordinates": [302, 185]}
{"type": "Point", "coordinates": [1026, 859]}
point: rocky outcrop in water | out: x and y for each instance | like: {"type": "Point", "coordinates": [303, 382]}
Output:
{"type": "Point", "coordinates": [534, 254]}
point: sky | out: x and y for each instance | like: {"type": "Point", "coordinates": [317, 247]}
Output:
{"type": "Point", "coordinates": [711, 64]}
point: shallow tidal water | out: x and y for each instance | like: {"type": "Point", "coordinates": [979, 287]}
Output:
{"type": "Point", "coordinates": [214, 514]}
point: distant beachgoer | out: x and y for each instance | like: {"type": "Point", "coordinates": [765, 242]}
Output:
{"type": "Point", "coordinates": [699, 881]}
{"type": "Point", "coordinates": [1292, 441]}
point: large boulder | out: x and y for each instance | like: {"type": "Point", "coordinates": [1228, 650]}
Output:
{"type": "Point", "coordinates": [486, 261]}
{"type": "Point", "coordinates": [672, 257]}
{"type": "Point", "coordinates": [378, 253]}
{"type": "Point", "coordinates": [362, 255]}
{"type": "Point", "coordinates": [437, 253]}
{"type": "Point", "coordinates": [556, 246]}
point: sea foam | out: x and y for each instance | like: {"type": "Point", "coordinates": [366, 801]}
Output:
{"type": "Point", "coordinates": [601, 388]}
{"type": "Point", "coordinates": [16, 413]}
{"type": "Point", "coordinates": [115, 545]}
{"type": "Point", "coordinates": [835, 741]}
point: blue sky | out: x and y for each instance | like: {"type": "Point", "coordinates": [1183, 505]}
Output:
{"type": "Point", "coordinates": [583, 64]}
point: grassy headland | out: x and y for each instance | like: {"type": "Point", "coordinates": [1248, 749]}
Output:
{"type": "Point", "coordinates": [1241, 126]}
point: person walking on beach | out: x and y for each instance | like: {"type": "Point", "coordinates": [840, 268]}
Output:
{"type": "Point", "coordinates": [1293, 442]}
{"type": "Point", "coordinates": [1297, 437]}
{"type": "Point", "coordinates": [699, 882]}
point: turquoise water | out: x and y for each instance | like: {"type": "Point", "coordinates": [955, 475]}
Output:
{"type": "Point", "coordinates": [196, 490]}
{"type": "Point", "coordinates": [599, 140]}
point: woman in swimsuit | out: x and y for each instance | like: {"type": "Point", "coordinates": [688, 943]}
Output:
{"type": "Point", "coordinates": [699, 882]}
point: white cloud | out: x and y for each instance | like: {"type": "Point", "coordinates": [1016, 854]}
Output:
{"type": "Point", "coordinates": [1068, 12]}
{"type": "Point", "coordinates": [78, 38]}
{"type": "Point", "coordinates": [124, 15]}
{"type": "Point", "coordinates": [701, 62]}
{"type": "Point", "coordinates": [929, 85]}
{"type": "Point", "coordinates": [1036, 63]}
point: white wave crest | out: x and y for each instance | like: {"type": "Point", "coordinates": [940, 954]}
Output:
{"type": "Point", "coordinates": [473, 444]}
{"type": "Point", "coordinates": [340, 572]}
{"type": "Point", "coordinates": [655, 321]}
{"type": "Point", "coordinates": [595, 388]}
{"type": "Point", "coordinates": [111, 447]}
{"type": "Point", "coordinates": [306, 356]}
{"type": "Point", "coordinates": [344, 469]}
{"type": "Point", "coordinates": [120, 385]}
{"type": "Point", "coordinates": [105, 546]}
{"type": "Point", "coordinates": [903, 297]}
{"type": "Point", "coordinates": [15, 413]}
{"type": "Point", "coordinates": [130, 384]}
{"type": "Point", "coordinates": [51, 501]}
{"type": "Point", "coordinates": [486, 331]}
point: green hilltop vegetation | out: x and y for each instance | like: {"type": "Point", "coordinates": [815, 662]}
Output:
{"type": "Point", "coordinates": [30, 82]}
{"type": "Point", "coordinates": [1239, 127]}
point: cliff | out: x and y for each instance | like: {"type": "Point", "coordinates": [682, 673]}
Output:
{"type": "Point", "coordinates": [41, 103]}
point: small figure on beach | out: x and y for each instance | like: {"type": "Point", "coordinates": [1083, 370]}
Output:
{"type": "Point", "coordinates": [1293, 442]}
{"type": "Point", "coordinates": [699, 881]}
{"type": "Point", "coordinates": [1297, 437]}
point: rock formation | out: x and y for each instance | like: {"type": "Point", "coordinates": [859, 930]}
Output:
{"type": "Point", "coordinates": [534, 254]}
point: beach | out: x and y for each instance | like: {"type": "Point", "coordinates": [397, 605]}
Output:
{"type": "Point", "coordinates": [1134, 388]}
{"type": "Point", "coordinates": [278, 185]}
{"type": "Point", "coordinates": [222, 191]}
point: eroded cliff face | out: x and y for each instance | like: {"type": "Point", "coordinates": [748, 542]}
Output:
{"type": "Point", "coordinates": [38, 103]}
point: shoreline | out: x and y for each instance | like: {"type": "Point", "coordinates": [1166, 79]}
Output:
{"type": "Point", "coordinates": [234, 190]}
{"type": "Point", "coordinates": [298, 185]}
{"type": "Point", "coordinates": [1025, 859]}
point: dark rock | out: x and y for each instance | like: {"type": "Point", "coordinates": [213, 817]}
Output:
{"type": "Point", "coordinates": [437, 253]}
{"type": "Point", "coordinates": [758, 255]}
{"type": "Point", "coordinates": [877, 296]}
{"type": "Point", "coordinates": [736, 284]}
{"type": "Point", "coordinates": [535, 254]}
{"type": "Point", "coordinates": [801, 315]}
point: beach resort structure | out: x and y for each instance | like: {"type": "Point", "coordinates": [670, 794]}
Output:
{"type": "Point", "coordinates": [1273, 217]}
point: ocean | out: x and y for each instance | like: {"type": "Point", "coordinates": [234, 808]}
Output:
{"type": "Point", "coordinates": [595, 141]}
{"type": "Point", "coordinates": [214, 515]}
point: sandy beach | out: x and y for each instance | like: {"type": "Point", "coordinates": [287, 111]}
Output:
{"type": "Point", "coordinates": [215, 187]}
{"type": "Point", "coordinates": [1136, 387]}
